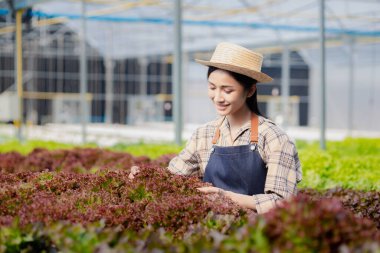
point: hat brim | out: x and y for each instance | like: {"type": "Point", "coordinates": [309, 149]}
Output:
{"type": "Point", "coordinates": [258, 76]}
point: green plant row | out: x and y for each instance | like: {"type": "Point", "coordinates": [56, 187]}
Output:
{"type": "Point", "coordinates": [140, 149]}
{"type": "Point", "coordinates": [351, 164]}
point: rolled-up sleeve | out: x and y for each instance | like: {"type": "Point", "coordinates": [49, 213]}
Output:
{"type": "Point", "coordinates": [284, 172]}
{"type": "Point", "coordinates": [186, 163]}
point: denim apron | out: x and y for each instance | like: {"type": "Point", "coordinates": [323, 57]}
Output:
{"type": "Point", "coordinates": [239, 169]}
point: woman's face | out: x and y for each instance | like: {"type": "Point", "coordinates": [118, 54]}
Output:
{"type": "Point", "coordinates": [227, 94]}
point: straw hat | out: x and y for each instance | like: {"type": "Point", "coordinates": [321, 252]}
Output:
{"type": "Point", "coordinates": [237, 59]}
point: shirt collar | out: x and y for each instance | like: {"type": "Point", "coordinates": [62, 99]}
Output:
{"type": "Point", "coordinates": [225, 127]}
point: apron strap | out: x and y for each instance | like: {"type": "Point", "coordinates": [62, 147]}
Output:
{"type": "Point", "coordinates": [216, 136]}
{"type": "Point", "coordinates": [254, 130]}
{"type": "Point", "coordinates": [217, 133]}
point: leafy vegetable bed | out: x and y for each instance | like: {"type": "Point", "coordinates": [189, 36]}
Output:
{"type": "Point", "coordinates": [81, 200]}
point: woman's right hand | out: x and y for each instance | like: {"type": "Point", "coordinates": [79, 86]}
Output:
{"type": "Point", "coordinates": [134, 171]}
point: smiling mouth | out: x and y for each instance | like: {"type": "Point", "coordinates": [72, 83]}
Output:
{"type": "Point", "coordinates": [221, 107]}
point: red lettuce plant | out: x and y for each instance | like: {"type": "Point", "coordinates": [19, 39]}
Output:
{"type": "Point", "coordinates": [323, 225]}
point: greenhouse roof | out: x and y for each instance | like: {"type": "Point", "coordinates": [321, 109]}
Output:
{"type": "Point", "coordinates": [119, 29]}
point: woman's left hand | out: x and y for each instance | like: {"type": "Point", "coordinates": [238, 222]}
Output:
{"type": "Point", "coordinates": [240, 199]}
{"type": "Point", "coordinates": [210, 189]}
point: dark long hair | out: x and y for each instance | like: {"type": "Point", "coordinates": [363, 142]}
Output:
{"type": "Point", "coordinates": [247, 83]}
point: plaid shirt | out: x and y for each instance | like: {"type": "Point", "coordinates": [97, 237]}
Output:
{"type": "Point", "coordinates": [275, 148]}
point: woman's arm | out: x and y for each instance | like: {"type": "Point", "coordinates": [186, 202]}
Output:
{"type": "Point", "coordinates": [240, 199]}
{"type": "Point", "coordinates": [187, 162]}
{"type": "Point", "coordinates": [284, 171]}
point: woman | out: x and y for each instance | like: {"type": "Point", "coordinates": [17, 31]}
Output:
{"type": "Point", "coordinates": [245, 156]}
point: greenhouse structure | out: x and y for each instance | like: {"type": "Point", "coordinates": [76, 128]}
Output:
{"type": "Point", "coordinates": [129, 52]}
